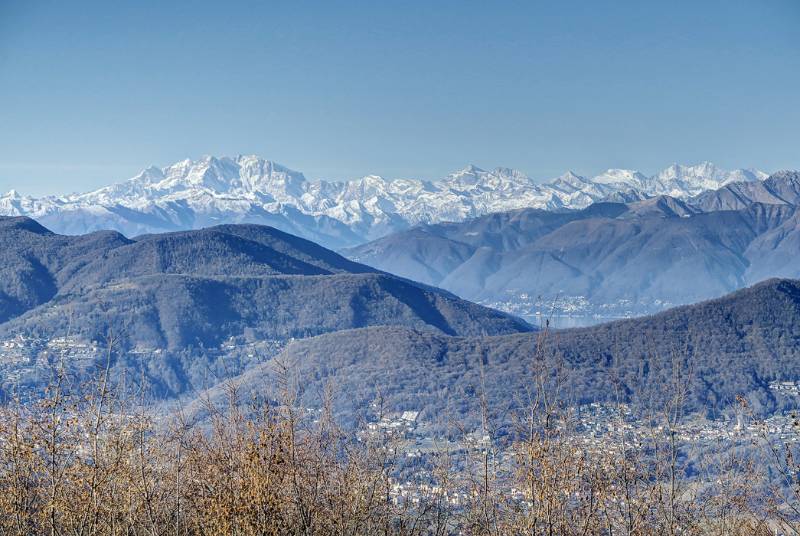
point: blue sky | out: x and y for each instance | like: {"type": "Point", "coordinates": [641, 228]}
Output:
{"type": "Point", "coordinates": [91, 92]}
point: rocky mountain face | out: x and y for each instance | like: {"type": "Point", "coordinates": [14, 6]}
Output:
{"type": "Point", "coordinates": [247, 189]}
{"type": "Point", "coordinates": [621, 258]}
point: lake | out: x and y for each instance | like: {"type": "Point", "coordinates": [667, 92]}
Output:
{"type": "Point", "coordinates": [566, 322]}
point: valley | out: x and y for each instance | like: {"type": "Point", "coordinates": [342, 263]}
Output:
{"type": "Point", "coordinates": [609, 260]}
{"type": "Point", "coordinates": [399, 269]}
{"type": "Point", "coordinates": [237, 328]}
{"type": "Point", "coordinates": [564, 312]}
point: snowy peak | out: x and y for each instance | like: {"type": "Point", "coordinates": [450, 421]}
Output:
{"type": "Point", "coordinates": [703, 170]}
{"type": "Point", "coordinates": [473, 177]}
{"type": "Point", "coordinates": [627, 177]}
{"type": "Point", "coordinates": [210, 190]}
{"type": "Point", "coordinates": [569, 182]}
{"type": "Point", "coordinates": [242, 174]}
{"type": "Point", "coordinates": [468, 177]}
{"type": "Point", "coordinates": [470, 169]}
{"type": "Point", "coordinates": [212, 173]}
{"type": "Point", "coordinates": [747, 175]}
{"type": "Point", "coordinates": [149, 175]}
{"type": "Point", "coordinates": [683, 181]}
{"type": "Point", "coordinates": [259, 175]}
{"type": "Point", "coordinates": [706, 171]}
{"type": "Point", "coordinates": [702, 174]}
{"type": "Point", "coordinates": [573, 178]}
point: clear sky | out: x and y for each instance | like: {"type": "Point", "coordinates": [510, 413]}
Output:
{"type": "Point", "coordinates": [91, 92]}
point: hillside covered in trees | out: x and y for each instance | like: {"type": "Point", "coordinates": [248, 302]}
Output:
{"type": "Point", "coordinates": [184, 309]}
{"type": "Point", "coordinates": [718, 350]}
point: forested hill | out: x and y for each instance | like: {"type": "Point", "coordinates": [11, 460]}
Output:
{"type": "Point", "coordinates": [228, 277]}
{"type": "Point", "coordinates": [187, 292]}
{"type": "Point", "coordinates": [718, 349]}
{"type": "Point", "coordinates": [640, 256]}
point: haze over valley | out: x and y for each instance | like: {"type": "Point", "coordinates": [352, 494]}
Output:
{"type": "Point", "coordinates": [611, 259]}
{"type": "Point", "coordinates": [381, 269]}
{"type": "Point", "coordinates": [518, 245]}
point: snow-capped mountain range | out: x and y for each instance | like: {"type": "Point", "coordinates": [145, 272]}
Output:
{"type": "Point", "coordinates": [198, 193]}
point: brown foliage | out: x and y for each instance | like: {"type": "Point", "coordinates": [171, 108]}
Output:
{"type": "Point", "coordinates": [103, 465]}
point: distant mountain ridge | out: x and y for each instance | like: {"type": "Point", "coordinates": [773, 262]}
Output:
{"type": "Point", "coordinates": [781, 188]}
{"type": "Point", "coordinates": [634, 257]}
{"type": "Point", "coordinates": [723, 348]}
{"type": "Point", "coordinates": [192, 194]}
{"type": "Point", "coordinates": [41, 268]}
{"type": "Point", "coordinates": [180, 296]}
